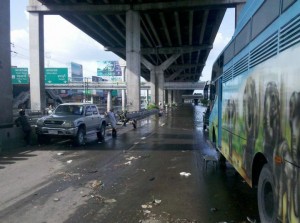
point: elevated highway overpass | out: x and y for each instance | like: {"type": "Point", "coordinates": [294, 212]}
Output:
{"type": "Point", "coordinates": [190, 86]}
{"type": "Point", "coordinates": [160, 40]}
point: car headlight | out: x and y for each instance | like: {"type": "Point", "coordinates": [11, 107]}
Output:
{"type": "Point", "coordinates": [68, 124]}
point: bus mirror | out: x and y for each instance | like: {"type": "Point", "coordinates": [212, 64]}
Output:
{"type": "Point", "coordinates": [205, 92]}
{"type": "Point", "coordinates": [212, 92]}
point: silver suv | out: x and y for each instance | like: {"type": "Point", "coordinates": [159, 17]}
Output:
{"type": "Point", "coordinates": [72, 120]}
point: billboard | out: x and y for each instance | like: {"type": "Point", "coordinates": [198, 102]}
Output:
{"type": "Point", "coordinates": [76, 72]}
{"type": "Point", "coordinates": [109, 70]}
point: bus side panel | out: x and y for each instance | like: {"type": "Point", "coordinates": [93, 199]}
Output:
{"type": "Point", "coordinates": [213, 122]}
{"type": "Point", "coordinates": [261, 114]}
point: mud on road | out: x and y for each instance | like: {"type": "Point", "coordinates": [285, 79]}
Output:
{"type": "Point", "coordinates": [154, 173]}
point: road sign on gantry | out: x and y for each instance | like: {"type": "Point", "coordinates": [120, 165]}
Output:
{"type": "Point", "coordinates": [56, 75]}
{"type": "Point", "coordinates": [19, 75]}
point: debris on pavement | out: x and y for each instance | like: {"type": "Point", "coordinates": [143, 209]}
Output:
{"type": "Point", "coordinates": [145, 206]}
{"type": "Point", "coordinates": [69, 161]}
{"type": "Point", "coordinates": [147, 212]}
{"type": "Point", "coordinates": [128, 163]}
{"type": "Point", "coordinates": [83, 194]}
{"type": "Point", "coordinates": [185, 174]}
{"type": "Point", "coordinates": [96, 184]}
{"type": "Point", "coordinates": [156, 201]}
{"type": "Point", "coordinates": [143, 170]}
{"type": "Point", "coordinates": [109, 201]}
{"type": "Point", "coordinates": [132, 158]}
{"type": "Point", "coordinates": [59, 154]}
{"type": "Point", "coordinates": [56, 199]}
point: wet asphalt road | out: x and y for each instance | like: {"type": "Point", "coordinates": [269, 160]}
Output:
{"type": "Point", "coordinates": [133, 178]}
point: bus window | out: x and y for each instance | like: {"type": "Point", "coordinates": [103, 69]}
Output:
{"type": "Point", "coordinates": [205, 91]}
{"type": "Point", "coordinates": [212, 92]}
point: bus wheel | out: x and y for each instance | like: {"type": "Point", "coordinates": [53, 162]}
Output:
{"type": "Point", "coordinates": [266, 195]}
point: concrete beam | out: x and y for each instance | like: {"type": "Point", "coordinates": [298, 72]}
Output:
{"type": "Point", "coordinates": [147, 64]}
{"type": "Point", "coordinates": [165, 50]}
{"type": "Point", "coordinates": [186, 66]}
{"type": "Point", "coordinates": [36, 6]}
{"type": "Point", "coordinates": [174, 75]}
{"type": "Point", "coordinates": [168, 62]}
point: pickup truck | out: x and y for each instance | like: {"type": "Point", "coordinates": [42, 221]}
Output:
{"type": "Point", "coordinates": [73, 121]}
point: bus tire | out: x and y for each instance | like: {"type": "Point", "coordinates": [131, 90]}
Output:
{"type": "Point", "coordinates": [267, 205]}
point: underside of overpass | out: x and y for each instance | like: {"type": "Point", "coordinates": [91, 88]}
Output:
{"type": "Point", "coordinates": [175, 37]}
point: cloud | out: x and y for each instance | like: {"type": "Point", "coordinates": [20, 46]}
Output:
{"type": "Point", "coordinates": [219, 44]}
{"type": "Point", "coordinates": [64, 43]}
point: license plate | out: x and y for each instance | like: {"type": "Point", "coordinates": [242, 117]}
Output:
{"type": "Point", "coordinates": [53, 132]}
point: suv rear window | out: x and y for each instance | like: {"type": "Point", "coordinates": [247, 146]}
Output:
{"type": "Point", "coordinates": [69, 110]}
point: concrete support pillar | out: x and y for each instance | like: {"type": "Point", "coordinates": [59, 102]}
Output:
{"type": "Point", "coordinates": [108, 105]}
{"type": "Point", "coordinates": [123, 100]}
{"type": "Point", "coordinates": [147, 97]}
{"type": "Point", "coordinates": [166, 96]}
{"type": "Point", "coordinates": [170, 102]}
{"type": "Point", "coordinates": [157, 79]}
{"type": "Point", "coordinates": [6, 95]}
{"type": "Point", "coordinates": [160, 89]}
{"type": "Point", "coordinates": [153, 87]}
{"type": "Point", "coordinates": [123, 68]}
{"type": "Point", "coordinates": [178, 97]}
{"type": "Point", "coordinates": [37, 76]}
{"type": "Point", "coordinates": [133, 60]}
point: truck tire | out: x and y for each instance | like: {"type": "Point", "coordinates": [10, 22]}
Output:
{"type": "Point", "coordinates": [267, 204]}
{"type": "Point", "coordinates": [101, 133]}
{"type": "Point", "coordinates": [80, 137]}
{"type": "Point", "coordinates": [42, 139]}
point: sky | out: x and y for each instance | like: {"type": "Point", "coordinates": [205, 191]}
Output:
{"type": "Point", "coordinates": [64, 43]}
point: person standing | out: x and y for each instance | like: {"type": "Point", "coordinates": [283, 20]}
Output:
{"type": "Point", "coordinates": [113, 122]}
{"type": "Point", "coordinates": [22, 121]}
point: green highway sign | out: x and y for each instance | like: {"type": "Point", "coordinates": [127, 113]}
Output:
{"type": "Point", "coordinates": [56, 75]}
{"type": "Point", "coordinates": [19, 75]}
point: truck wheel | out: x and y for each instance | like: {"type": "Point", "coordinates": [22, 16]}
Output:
{"type": "Point", "coordinates": [42, 139]}
{"type": "Point", "coordinates": [101, 133]}
{"type": "Point", "coordinates": [266, 196]}
{"type": "Point", "coordinates": [79, 139]}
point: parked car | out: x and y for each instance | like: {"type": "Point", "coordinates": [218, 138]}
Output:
{"type": "Point", "coordinates": [73, 121]}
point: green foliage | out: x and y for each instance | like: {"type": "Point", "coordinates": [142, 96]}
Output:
{"type": "Point", "coordinates": [204, 101]}
{"type": "Point", "coordinates": [152, 106]}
